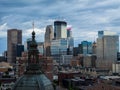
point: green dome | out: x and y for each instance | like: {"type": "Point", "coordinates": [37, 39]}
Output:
{"type": "Point", "coordinates": [33, 82]}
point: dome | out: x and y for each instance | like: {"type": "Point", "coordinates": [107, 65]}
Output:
{"type": "Point", "coordinates": [33, 79]}
{"type": "Point", "coordinates": [33, 82]}
{"type": "Point", "coordinates": [33, 33]}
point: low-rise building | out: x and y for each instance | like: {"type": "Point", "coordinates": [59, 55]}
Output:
{"type": "Point", "coordinates": [116, 67]}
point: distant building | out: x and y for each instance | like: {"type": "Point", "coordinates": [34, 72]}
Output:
{"type": "Point", "coordinates": [89, 61]}
{"type": "Point", "coordinates": [116, 67]}
{"type": "Point", "coordinates": [75, 51]}
{"type": "Point", "coordinates": [106, 33]}
{"type": "Point", "coordinates": [66, 59]}
{"type": "Point", "coordinates": [63, 42]}
{"type": "Point", "coordinates": [49, 35]}
{"type": "Point", "coordinates": [14, 37]}
{"type": "Point", "coordinates": [28, 43]}
{"type": "Point", "coordinates": [94, 47]}
{"type": "Point", "coordinates": [107, 48]}
{"type": "Point", "coordinates": [41, 48]}
{"type": "Point", "coordinates": [60, 29]}
{"type": "Point", "coordinates": [75, 63]}
{"type": "Point", "coordinates": [5, 55]}
{"type": "Point", "coordinates": [60, 47]}
{"type": "Point", "coordinates": [69, 32]}
{"type": "Point", "coordinates": [2, 59]}
{"type": "Point", "coordinates": [84, 48]}
{"type": "Point", "coordinates": [19, 50]}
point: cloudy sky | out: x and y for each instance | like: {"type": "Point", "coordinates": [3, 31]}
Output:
{"type": "Point", "coordinates": [86, 17]}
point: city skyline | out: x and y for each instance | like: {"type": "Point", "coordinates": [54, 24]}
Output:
{"type": "Point", "coordinates": [86, 17]}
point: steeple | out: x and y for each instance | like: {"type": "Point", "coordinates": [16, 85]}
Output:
{"type": "Point", "coordinates": [33, 62]}
{"type": "Point", "coordinates": [33, 33]}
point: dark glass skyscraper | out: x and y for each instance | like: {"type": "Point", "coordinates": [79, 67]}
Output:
{"type": "Point", "coordinates": [19, 50]}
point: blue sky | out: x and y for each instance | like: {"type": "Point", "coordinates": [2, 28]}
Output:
{"type": "Point", "coordinates": [86, 17]}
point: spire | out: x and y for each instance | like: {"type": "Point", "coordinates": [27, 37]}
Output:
{"type": "Point", "coordinates": [33, 25]}
{"type": "Point", "coordinates": [33, 33]}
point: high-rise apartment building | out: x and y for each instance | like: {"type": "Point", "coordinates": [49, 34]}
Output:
{"type": "Point", "coordinates": [107, 48]}
{"type": "Point", "coordinates": [14, 37]}
{"type": "Point", "coordinates": [49, 35]}
{"type": "Point", "coordinates": [60, 29]}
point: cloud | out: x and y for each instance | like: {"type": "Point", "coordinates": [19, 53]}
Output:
{"type": "Point", "coordinates": [3, 30]}
{"type": "Point", "coordinates": [86, 17]}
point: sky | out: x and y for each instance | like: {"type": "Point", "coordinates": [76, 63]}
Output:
{"type": "Point", "coordinates": [86, 17]}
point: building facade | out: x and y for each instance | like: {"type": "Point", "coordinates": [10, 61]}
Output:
{"type": "Point", "coordinates": [40, 48]}
{"type": "Point", "coordinates": [63, 42]}
{"type": "Point", "coordinates": [94, 47]}
{"type": "Point", "coordinates": [61, 47]}
{"type": "Point", "coordinates": [69, 32]}
{"type": "Point", "coordinates": [49, 35]}
{"type": "Point", "coordinates": [116, 68]}
{"type": "Point", "coordinates": [60, 29]}
{"type": "Point", "coordinates": [85, 47]}
{"type": "Point", "coordinates": [107, 48]}
{"type": "Point", "coordinates": [19, 50]}
{"type": "Point", "coordinates": [66, 59]}
{"type": "Point", "coordinates": [14, 37]}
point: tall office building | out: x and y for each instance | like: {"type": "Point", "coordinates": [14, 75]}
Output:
{"type": "Point", "coordinates": [63, 42]}
{"type": "Point", "coordinates": [60, 29]}
{"type": "Point", "coordinates": [69, 32]}
{"type": "Point", "coordinates": [49, 35]}
{"type": "Point", "coordinates": [107, 48]}
{"type": "Point", "coordinates": [85, 47]}
{"type": "Point", "coordinates": [14, 37]}
{"type": "Point", "coordinates": [61, 47]}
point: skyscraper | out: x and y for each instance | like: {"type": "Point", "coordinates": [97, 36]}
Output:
{"type": "Point", "coordinates": [60, 29]}
{"type": "Point", "coordinates": [49, 35]}
{"type": "Point", "coordinates": [69, 32]}
{"type": "Point", "coordinates": [107, 48]}
{"type": "Point", "coordinates": [85, 47]}
{"type": "Point", "coordinates": [63, 42]}
{"type": "Point", "coordinates": [14, 37]}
